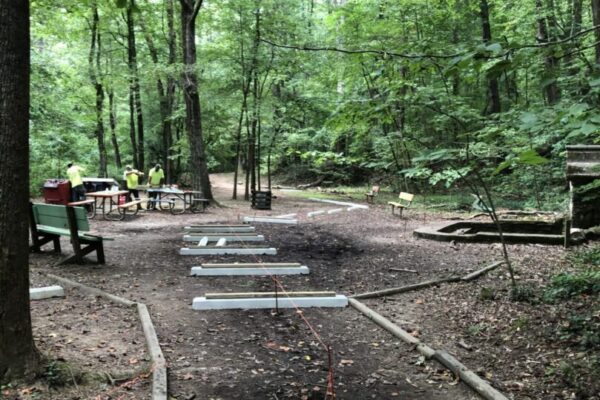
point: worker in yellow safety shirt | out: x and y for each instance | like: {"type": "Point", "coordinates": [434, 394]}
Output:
{"type": "Point", "coordinates": [77, 188]}
{"type": "Point", "coordinates": [156, 177]}
{"type": "Point", "coordinates": [132, 176]}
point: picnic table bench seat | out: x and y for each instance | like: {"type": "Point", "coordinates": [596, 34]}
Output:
{"type": "Point", "coordinates": [89, 204]}
{"type": "Point", "coordinates": [48, 222]}
{"type": "Point", "coordinates": [122, 208]}
{"type": "Point", "coordinates": [404, 201]}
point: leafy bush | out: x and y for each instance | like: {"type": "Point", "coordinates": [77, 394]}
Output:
{"type": "Point", "coordinates": [583, 329]}
{"type": "Point", "coordinates": [586, 257]}
{"type": "Point", "coordinates": [567, 285]}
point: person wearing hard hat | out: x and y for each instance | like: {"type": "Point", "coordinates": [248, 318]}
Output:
{"type": "Point", "coordinates": [77, 188]}
{"type": "Point", "coordinates": [156, 177]}
{"type": "Point", "coordinates": [132, 177]}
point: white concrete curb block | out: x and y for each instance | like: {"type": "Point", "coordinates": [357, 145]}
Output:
{"type": "Point", "coordinates": [46, 292]}
{"type": "Point", "coordinates": [201, 303]}
{"type": "Point", "coordinates": [340, 203]}
{"type": "Point", "coordinates": [286, 216]}
{"type": "Point", "coordinates": [203, 241]}
{"type": "Point", "coordinates": [219, 229]}
{"type": "Point", "coordinates": [313, 213]}
{"type": "Point", "coordinates": [203, 271]}
{"type": "Point", "coordinates": [272, 220]}
{"type": "Point", "coordinates": [185, 251]}
{"type": "Point", "coordinates": [335, 211]}
{"type": "Point", "coordinates": [228, 236]}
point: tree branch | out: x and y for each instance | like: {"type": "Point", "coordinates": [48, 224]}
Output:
{"type": "Point", "coordinates": [432, 56]}
{"type": "Point", "coordinates": [196, 9]}
{"type": "Point", "coordinates": [346, 51]}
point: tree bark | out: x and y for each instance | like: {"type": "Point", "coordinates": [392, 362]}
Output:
{"type": "Point", "coordinates": [132, 135]}
{"type": "Point", "coordinates": [551, 90]}
{"type": "Point", "coordinates": [134, 82]}
{"type": "Point", "coordinates": [255, 105]}
{"type": "Point", "coordinates": [198, 163]}
{"type": "Point", "coordinates": [596, 22]}
{"type": "Point", "coordinates": [113, 127]}
{"type": "Point", "coordinates": [18, 355]}
{"type": "Point", "coordinates": [94, 72]}
{"type": "Point", "coordinates": [493, 88]}
{"type": "Point", "coordinates": [165, 95]}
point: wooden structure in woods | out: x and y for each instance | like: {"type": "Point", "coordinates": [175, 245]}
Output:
{"type": "Point", "coordinates": [583, 167]}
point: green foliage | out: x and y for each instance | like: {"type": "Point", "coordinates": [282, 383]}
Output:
{"type": "Point", "coordinates": [589, 256]}
{"type": "Point", "coordinates": [569, 285]}
{"type": "Point", "coordinates": [416, 120]}
{"type": "Point", "coordinates": [582, 329]}
{"type": "Point", "coordinates": [523, 293]}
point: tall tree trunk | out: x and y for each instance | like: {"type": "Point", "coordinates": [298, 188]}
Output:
{"type": "Point", "coordinates": [132, 135]}
{"type": "Point", "coordinates": [171, 85]}
{"type": "Point", "coordinates": [243, 110]}
{"type": "Point", "coordinates": [165, 95]}
{"type": "Point", "coordinates": [18, 355]}
{"type": "Point", "coordinates": [576, 20]}
{"type": "Point", "coordinates": [134, 82]}
{"type": "Point", "coordinates": [596, 22]}
{"type": "Point", "coordinates": [246, 79]}
{"type": "Point", "coordinates": [198, 164]}
{"type": "Point", "coordinates": [255, 103]}
{"type": "Point", "coordinates": [551, 91]}
{"type": "Point", "coordinates": [113, 126]}
{"type": "Point", "coordinates": [94, 72]}
{"type": "Point", "coordinates": [248, 162]}
{"type": "Point", "coordinates": [493, 88]}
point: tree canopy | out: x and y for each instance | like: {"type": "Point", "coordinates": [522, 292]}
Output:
{"type": "Point", "coordinates": [410, 93]}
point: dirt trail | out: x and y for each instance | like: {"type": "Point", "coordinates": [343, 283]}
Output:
{"type": "Point", "coordinates": [257, 354]}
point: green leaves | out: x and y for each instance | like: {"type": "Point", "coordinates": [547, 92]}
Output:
{"type": "Point", "coordinates": [527, 157]}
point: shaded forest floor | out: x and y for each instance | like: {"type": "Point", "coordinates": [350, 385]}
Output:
{"type": "Point", "coordinates": [518, 346]}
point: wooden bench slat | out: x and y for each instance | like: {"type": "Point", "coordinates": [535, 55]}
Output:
{"type": "Point", "coordinates": [81, 203]}
{"type": "Point", "coordinates": [48, 222]}
{"type": "Point", "coordinates": [65, 232]}
{"type": "Point", "coordinates": [130, 204]}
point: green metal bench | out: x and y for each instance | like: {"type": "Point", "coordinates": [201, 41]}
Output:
{"type": "Point", "coordinates": [48, 222]}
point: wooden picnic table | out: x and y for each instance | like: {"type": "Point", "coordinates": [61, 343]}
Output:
{"type": "Point", "coordinates": [101, 198]}
{"type": "Point", "coordinates": [177, 201]}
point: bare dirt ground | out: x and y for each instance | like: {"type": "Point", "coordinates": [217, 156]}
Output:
{"type": "Point", "coordinates": [258, 354]}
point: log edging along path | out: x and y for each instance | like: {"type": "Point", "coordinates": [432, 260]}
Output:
{"type": "Point", "coordinates": [159, 365]}
{"type": "Point", "coordinates": [481, 386]}
{"type": "Point", "coordinates": [426, 284]}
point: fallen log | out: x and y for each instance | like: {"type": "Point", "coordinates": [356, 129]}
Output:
{"type": "Point", "coordinates": [483, 388]}
{"type": "Point", "coordinates": [426, 284]}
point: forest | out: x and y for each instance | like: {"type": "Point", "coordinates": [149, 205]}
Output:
{"type": "Point", "coordinates": [361, 199]}
{"type": "Point", "coordinates": [409, 94]}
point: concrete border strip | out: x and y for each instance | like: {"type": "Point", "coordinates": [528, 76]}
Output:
{"type": "Point", "coordinates": [205, 251]}
{"type": "Point", "coordinates": [159, 368]}
{"type": "Point", "coordinates": [218, 229]}
{"type": "Point", "coordinates": [271, 220]}
{"type": "Point", "coordinates": [286, 216]}
{"type": "Point", "coordinates": [47, 292]}
{"type": "Point", "coordinates": [245, 271]}
{"type": "Point", "coordinates": [228, 236]}
{"type": "Point", "coordinates": [202, 303]}
{"type": "Point", "coordinates": [340, 203]}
